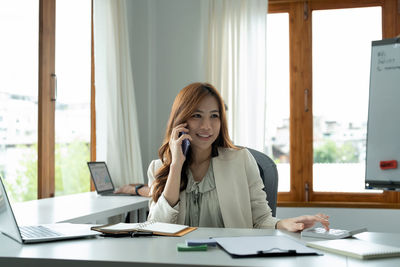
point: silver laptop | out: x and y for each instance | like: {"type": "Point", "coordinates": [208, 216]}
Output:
{"type": "Point", "coordinates": [37, 233]}
{"type": "Point", "coordinates": [102, 179]}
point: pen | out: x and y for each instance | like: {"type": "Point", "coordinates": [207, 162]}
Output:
{"type": "Point", "coordinates": [198, 242]}
{"type": "Point", "coordinates": [115, 235]}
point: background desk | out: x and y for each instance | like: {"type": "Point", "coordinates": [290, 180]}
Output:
{"type": "Point", "coordinates": [78, 208]}
{"type": "Point", "coordinates": [161, 251]}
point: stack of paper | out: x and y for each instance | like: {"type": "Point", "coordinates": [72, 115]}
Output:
{"type": "Point", "coordinates": [356, 248]}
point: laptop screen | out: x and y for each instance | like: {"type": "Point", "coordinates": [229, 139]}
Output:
{"type": "Point", "coordinates": [8, 224]}
{"type": "Point", "coordinates": [101, 177]}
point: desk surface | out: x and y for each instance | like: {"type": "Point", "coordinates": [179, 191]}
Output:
{"type": "Point", "coordinates": [78, 208]}
{"type": "Point", "coordinates": [157, 251]}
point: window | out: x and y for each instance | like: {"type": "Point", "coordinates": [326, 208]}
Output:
{"type": "Point", "coordinates": [329, 61]}
{"type": "Point", "coordinates": [32, 121]}
{"type": "Point", "coordinates": [72, 117]}
{"type": "Point", "coordinates": [19, 97]}
{"type": "Point", "coordinates": [341, 66]}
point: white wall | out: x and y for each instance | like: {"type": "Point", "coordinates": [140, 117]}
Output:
{"type": "Point", "coordinates": [167, 40]}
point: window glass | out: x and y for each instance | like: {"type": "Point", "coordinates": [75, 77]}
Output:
{"type": "Point", "coordinates": [278, 109]}
{"type": "Point", "coordinates": [72, 118]}
{"type": "Point", "coordinates": [19, 28]}
{"type": "Point", "coordinates": [341, 65]}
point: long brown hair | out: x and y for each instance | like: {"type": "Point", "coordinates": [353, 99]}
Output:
{"type": "Point", "coordinates": [185, 104]}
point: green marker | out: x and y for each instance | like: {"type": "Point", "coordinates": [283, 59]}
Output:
{"type": "Point", "coordinates": [184, 247]}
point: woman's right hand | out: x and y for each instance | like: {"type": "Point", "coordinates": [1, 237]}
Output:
{"type": "Point", "coordinates": [175, 143]}
{"type": "Point", "coordinates": [303, 222]}
{"type": "Point", "coordinates": [172, 187]}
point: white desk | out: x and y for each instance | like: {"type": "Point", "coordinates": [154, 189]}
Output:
{"type": "Point", "coordinates": [78, 208]}
{"type": "Point", "coordinates": [161, 251]}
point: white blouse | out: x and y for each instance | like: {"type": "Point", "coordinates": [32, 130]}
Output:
{"type": "Point", "coordinates": [202, 205]}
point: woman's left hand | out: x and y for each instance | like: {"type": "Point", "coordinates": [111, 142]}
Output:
{"type": "Point", "coordinates": [126, 189]}
{"type": "Point", "coordinates": [303, 222]}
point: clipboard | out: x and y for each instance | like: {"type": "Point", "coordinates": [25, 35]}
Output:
{"type": "Point", "coordinates": [264, 246]}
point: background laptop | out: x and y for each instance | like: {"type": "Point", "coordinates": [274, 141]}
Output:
{"type": "Point", "coordinates": [102, 179]}
{"type": "Point", "coordinates": [37, 233]}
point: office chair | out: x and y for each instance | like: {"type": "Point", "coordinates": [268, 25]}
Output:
{"type": "Point", "coordinates": [269, 175]}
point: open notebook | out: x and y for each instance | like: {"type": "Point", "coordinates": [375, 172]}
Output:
{"type": "Point", "coordinates": [157, 228]}
{"type": "Point", "coordinates": [356, 248]}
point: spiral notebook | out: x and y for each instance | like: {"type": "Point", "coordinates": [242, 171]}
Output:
{"type": "Point", "coordinates": [157, 228]}
{"type": "Point", "coordinates": [356, 248]}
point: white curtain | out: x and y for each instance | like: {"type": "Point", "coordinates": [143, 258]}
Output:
{"type": "Point", "coordinates": [237, 65]}
{"type": "Point", "coordinates": [116, 118]}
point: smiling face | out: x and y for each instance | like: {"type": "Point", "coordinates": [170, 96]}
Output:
{"type": "Point", "coordinates": [204, 124]}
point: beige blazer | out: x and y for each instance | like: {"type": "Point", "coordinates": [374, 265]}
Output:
{"type": "Point", "coordinates": [239, 187]}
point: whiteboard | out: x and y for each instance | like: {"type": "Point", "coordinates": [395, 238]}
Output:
{"type": "Point", "coordinates": [383, 130]}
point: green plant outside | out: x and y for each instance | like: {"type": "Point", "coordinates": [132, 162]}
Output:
{"type": "Point", "coordinates": [71, 172]}
{"type": "Point", "coordinates": [331, 153]}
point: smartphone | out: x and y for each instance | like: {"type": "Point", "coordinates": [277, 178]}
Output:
{"type": "Point", "coordinates": [185, 144]}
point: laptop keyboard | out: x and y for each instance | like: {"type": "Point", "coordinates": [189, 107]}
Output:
{"type": "Point", "coordinates": [37, 232]}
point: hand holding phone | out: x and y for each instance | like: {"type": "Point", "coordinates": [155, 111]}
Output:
{"type": "Point", "coordinates": [185, 144]}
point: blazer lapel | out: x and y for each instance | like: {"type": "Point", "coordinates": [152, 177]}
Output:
{"type": "Point", "coordinates": [228, 180]}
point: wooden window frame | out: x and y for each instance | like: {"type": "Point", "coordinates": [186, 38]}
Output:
{"type": "Point", "coordinates": [301, 120]}
{"type": "Point", "coordinates": [46, 113]}
{"type": "Point", "coordinates": [46, 116]}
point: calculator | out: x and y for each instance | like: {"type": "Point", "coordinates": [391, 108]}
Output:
{"type": "Point", "coordinates": [320, 232]}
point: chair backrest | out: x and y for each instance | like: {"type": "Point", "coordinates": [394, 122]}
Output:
{"type": "Point", "coordinates": [269, 175]}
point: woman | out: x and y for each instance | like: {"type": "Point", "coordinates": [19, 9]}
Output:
{"type": "Point", "coordinates": [216, 184]}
